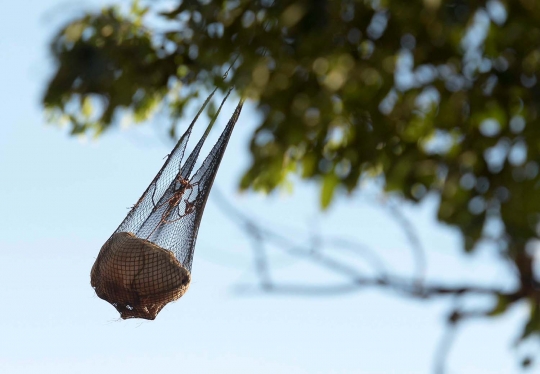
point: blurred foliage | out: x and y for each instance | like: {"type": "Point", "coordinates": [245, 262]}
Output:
{"type": "Point", "coordinates": [425, 96]}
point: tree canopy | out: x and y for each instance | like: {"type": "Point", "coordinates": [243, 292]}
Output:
{"type": "Point", "coordinates": [432, 96]}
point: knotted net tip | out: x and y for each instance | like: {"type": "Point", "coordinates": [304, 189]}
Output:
{"type": "Point", "coordinates": [137, 276]}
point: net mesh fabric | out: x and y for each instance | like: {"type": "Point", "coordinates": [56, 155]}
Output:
{"type": "Point", "coordinates": [147, 261]}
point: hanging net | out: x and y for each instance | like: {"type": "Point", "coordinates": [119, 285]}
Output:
{"type": "Point", "coordinates": [146, 263]}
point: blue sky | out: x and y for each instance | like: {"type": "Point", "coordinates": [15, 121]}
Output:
{"type": "Point", "coordinates": [62, 197]}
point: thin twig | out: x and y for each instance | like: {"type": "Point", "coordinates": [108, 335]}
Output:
{"type": "Point", "coordinates": [456, 318]}
{"type": "Point", "coordinates": [414, 241]}
{"type": "Point", "coordinates": [261, 261]}
{"type": "Point", "coordinates": [401, 285]}
{"type": "Point", "coordinates": [286, 244]}
{"type": "Point", "coordinates": [444, 348]}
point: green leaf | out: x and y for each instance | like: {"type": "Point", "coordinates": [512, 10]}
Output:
{"type": "Point", "coordinates": [330, 182]}
{"type": "Point", "coordinates": [503, 302]}
{"type": "Point", "coordinates": [86, 109]}
{"type": "Point", "coordinates": [533, 325]}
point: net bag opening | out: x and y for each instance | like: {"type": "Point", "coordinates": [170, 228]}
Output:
{"type": "Point", "coordinates": [146, 263]}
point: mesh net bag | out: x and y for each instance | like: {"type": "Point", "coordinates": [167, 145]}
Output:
{"type": "Point", "coordinates": [146, 263]}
